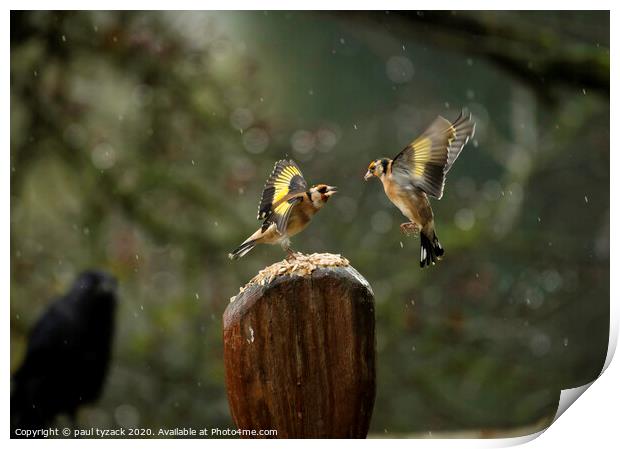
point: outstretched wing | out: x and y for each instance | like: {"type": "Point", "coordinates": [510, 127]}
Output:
{"type": "Point", "coordinates": [281, 212]}
{"type": "Point", "coordinates": [426, 161]}
{"type": "Point", "coordinates": [285, 181]}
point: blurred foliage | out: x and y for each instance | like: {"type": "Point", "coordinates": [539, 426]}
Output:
{"type": "Point", "coordinates": [140, 143]}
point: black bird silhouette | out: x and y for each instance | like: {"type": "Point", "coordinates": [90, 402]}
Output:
{"type": "Point", "coordinates": [68, 354]}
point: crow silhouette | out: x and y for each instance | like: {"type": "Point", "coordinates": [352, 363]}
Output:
{"type": "Point", "coordinates": [68, 354]}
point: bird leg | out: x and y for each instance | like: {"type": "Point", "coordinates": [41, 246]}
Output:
{"type": "Point", "coordinates": [291, 254]}
{"type": "Point", "coordinates": [410, 228]}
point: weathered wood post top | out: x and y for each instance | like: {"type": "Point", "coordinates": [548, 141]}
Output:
{"type": "Point", "coordinates": [299, 350]}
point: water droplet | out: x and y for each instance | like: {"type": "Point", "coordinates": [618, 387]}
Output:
{"type": "Point", "coordinates": [401, 244]}
{"type": "Point", "coordinates": [585, 198]}
{"type": "Point", "coordinates": [565, 341]}
{"type": "Point", "coordinates": [196, 295]}
{"type": "Point", "coordinates": [64, 38]}
{"type": "Point", "coordinates": [354, 126]}
{"type": "Point", "coordinates": [342, 40]}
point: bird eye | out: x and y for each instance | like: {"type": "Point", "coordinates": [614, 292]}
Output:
{"type": "Point", "coordinates": [323, 189]}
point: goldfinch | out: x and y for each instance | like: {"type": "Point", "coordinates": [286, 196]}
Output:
{"type": "Point", "coordinates": [287, 205]}
{"type": "Point", "coordinates": [419, 171]}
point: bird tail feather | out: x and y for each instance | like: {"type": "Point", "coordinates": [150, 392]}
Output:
{"type": "Point", "coordinates": [430, 250]}
{"type": "Point", "coordinates": [245, 248]}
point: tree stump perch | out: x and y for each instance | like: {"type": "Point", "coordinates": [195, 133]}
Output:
{"type": "Point", "coordinates": [299, 350]}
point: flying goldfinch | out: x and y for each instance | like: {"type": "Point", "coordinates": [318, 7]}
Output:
{"type": "Point", "coordinates": [286, 206]}
{"type": "Point", "coordinates": [419, 171]}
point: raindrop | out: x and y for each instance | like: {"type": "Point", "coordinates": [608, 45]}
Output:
{"type": "Point", "coordinates": [540, 344]}
{"type": "Point", "coordinates": [127, 416]}
{"type": "Point", "coordinates": [256, 140]}
{"type": "Point", "coordinates": [401, 244]}
{"type": "Point", "coordinates": [326, 139]}
{"type": "Point", "coordinates": [413, 348]}
{"type": "Point", "coordinates": [565, 341]}
{"type": "Point", "coordinates": [103, 156]}
{"type": "Point", "coordinates": [584, 91]}
{"type": "Point", "coordinates": [399, 69]}
{"type": "Point", "coordinates": [465, 219]}
{"type": "Point", "coordinates": [241, 118]}
{"type": "Point", "coordinates": [491, 190]}
{"type": "Point", "coordinates": [551, 280]}
{"type": "Point", "coordinates": [197, 296]}
{"type": "Point", "coordinates": [355, 126]}
{"type": "Point", "coordinates": [64, 38]}
{"type": "Point", "coordinates": [585, 198]}
{"type": "Point", "coordinates": [303, 141]}
{"type": "Point", "coordinates": [342, 40]}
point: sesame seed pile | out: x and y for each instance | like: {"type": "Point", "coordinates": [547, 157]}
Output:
{"type": "Point", "coordinates": [301, 265]}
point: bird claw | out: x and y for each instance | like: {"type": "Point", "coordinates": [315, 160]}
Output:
{"type": "Point", "coordinates": [410, 228]}
{"type": "Point", "coordinates": [292, 255]}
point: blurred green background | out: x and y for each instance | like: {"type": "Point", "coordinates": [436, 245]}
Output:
{"type": "Point", "coordinates": [140, 143]}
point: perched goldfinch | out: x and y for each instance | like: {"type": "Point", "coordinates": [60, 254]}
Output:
{"type": "Point", "coordinates": [419, 171]}
{"type": "Point", "coordinates": [286, 206]}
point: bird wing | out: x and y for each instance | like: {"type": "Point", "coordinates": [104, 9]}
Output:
{"type": "Point", "coordinates": [426, 161]}
{"type": "Point", "coordinates": [285, 181]}
{"type": "Point", "coordinates": [282, 211]}
{"type": "Point", "coordinates": [48, 341]}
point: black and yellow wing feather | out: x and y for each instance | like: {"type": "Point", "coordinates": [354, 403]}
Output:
{"type": "Point", "coordinates": [426, 161]}
{"type": "Point", "coordinates": [281, 193]}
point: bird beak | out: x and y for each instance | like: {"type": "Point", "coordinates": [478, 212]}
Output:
{"type": "Point", "coordinates": [331, 190]}
{"type": "Point", "coordinates": [368, 175]}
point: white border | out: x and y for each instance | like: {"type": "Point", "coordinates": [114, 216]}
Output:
{"type": "Point", "coordinates": [591, 421]}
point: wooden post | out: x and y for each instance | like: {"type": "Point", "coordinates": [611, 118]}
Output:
{"type": "Point", "coordinates": [299, 350]}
